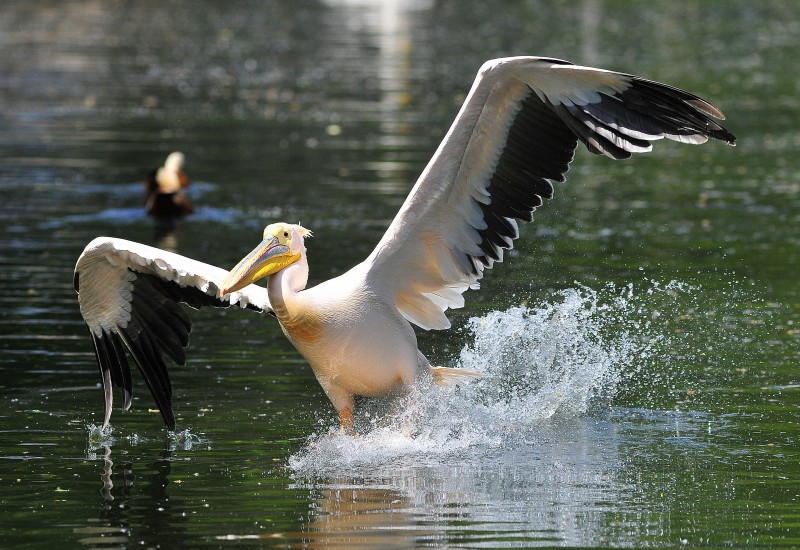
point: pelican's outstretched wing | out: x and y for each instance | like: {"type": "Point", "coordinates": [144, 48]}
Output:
{"type": "Point", "coordinates": [516, 133]}
{"type": "Point", "coordinates": [129, 296]}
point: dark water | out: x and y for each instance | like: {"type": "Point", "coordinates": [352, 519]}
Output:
{"type": "Point", "coordinates": [649, 395]}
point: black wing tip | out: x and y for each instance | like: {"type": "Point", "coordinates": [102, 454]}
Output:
{"type": "Point", "coordinates": [723, 134]}
{"type": "Point", "coordinates": [681, 107]}
{"type": "Point", "coordinates": [169, 419]}
{"type": "Point", "coordinates": [114, 369]}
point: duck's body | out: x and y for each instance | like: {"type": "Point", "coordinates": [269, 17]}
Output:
{"type": "Point", "coordinates": [515, 134]}
{"type": "Point", "coordinates": [165, 196]}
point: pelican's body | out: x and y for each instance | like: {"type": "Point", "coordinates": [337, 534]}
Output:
{"type": "Point", "coordinates": [516, 132]}
{"type": "Point", "coordinates": [344, 331]}
{"type": "Point", "coordinates": [165, 198]}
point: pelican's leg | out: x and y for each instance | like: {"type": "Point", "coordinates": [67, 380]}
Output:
{"type": "Point", "coordinates": [346, 420]}
{"type": "Point", "coordinates": [343, 402]}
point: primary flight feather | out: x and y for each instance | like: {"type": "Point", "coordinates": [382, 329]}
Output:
{"type": "Point", "coordinates": [515, 134]}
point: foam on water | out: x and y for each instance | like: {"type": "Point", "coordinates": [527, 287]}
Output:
{"type": "Point", "coordinates": [555, 362]}
{"type": "Point", "coordinates": [101, 438]}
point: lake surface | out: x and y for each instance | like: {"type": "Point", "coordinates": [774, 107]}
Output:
{"type": "Point", "coordinates": [640, 351]}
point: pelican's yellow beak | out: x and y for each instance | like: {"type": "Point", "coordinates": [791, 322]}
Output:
{"type": "Point", "coordinates": [273, 254]}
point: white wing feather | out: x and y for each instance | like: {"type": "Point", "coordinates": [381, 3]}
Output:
{"type": "Point", "coordinates": [129, 296]}
{"type": "Point", "coordinates": [107, 264]}
{"type": "Point", "coordinates": [518, 126]}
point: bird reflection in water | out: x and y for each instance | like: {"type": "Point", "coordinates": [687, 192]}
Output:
{"type": "Point", "coordinates": [368, 517]}
{"type": "Point", "coordinates": [106, 477]}
{"type": "Point", "coordinates": [347, 515]}
{"type": "Point", "coordinates": [118, 495]}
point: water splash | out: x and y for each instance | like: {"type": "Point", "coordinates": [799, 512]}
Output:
{"type": "Point", "coordinates": [551, 363]}
{"type": "Point", "coordinates": [550, 359]}
{"type": "Point", "coordinates": [100, 436]}
{"type": "Point", "coordinates": [184, 440]}
{"type": "Point", "coordinates": [103, 438]}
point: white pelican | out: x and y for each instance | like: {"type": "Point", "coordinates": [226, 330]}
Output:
{"type": "Point", "coordinates": [515, 133]}
{"type": "Point", "coordinates": [165, 198]}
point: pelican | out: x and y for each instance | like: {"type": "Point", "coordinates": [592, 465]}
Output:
{"type": "Point", "coordinates": [165, 198]}
{"type": "Point", "coordinates": [515, 134]}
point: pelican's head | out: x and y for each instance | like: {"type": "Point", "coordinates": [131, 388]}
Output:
{"type": "Point", "coordinates": [282, 246]}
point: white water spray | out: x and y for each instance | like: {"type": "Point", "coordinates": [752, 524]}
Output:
{"type": "Point", "coordinates": [551, 363]}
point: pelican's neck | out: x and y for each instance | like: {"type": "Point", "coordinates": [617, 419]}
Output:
{"type": "Point", "coordinates": [283, 286]}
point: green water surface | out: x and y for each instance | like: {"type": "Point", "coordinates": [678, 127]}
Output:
{"type": "Point", "coordinates": [675, 401]}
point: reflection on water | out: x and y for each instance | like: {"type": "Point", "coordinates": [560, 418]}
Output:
{"type": "Point", "coordinates": [573, 482]}
{"type": "Point", "coordinates": [354, 515]}
{"type": "Point", "coordinates": [128, 488]}
{"type": "Point", "coordinates": [118, 483]}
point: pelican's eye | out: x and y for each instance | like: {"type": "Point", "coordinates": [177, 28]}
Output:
{"type": "Point", "coordinates": [286, 234]}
